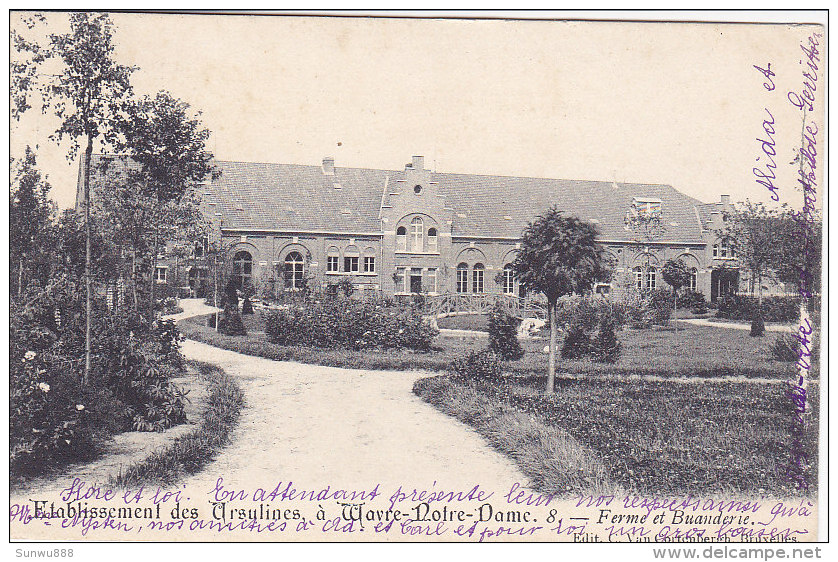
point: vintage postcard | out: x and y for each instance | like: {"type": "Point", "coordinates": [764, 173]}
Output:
{"type": "Point", "coordinates": [418, 277]}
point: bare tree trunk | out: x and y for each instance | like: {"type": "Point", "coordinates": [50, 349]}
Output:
{"type": "Point", "coordinates": [675, 312]}
{"type": "Point", "coordinates": [134, 279]}
{"type": "Point", "coordinates": [88, 282]}
{"type": "Point", "coordinates": [152, 285]}
{"type": "Point", "coordinates": [551, 368]}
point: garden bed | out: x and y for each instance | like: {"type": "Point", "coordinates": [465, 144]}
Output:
{"type": "Point", "coordinates": [595, 436]}
{"type": "Point", "coordinates": [474, 322]}
{"type": "Point", "coordinates": [694, 351]}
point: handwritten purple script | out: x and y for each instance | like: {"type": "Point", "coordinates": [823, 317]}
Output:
{"type": "Point", "coordinates": [435, 513]}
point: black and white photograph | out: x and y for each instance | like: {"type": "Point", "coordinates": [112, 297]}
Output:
{"type": "Point", "coordinates": [449, 277]}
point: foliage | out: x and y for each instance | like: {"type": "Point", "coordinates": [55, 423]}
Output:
{"type": "Point", "coordinates": [503, 337]}
{"type": "Point", "coordinates": [676, 274]}
{"type": "Point", "coordinates": [757, 325]}
{"type": "Point", "coordinates": [774, 309]}
{"type": "Point", "coordinates": [559, 255]}
{"type": "Point", "coordinates": [188, 454]}
{"type": "Point", "coordinates": [483, 364]}
{"type": "Point", "coordinates": [346, 322]}
{"type": "Point", "coordinates": [56, 419]}
{"type": "Point", "coordinates": [231, 321]}
{"type": "Point", "coordinates": [605, 346]}
{"type": "Point", "coordinates": [577, 343]}
{"type": "Point", "coordinates": [31, 229]}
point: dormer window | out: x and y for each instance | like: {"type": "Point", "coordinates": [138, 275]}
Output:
{"type": "Point", "coordinates": [646, 207]}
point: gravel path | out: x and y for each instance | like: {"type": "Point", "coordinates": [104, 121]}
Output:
{"type": "Point", "coordinates": [348, 428]}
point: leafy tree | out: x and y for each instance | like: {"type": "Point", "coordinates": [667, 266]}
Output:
{"type": "Point", "coordinates": [169, 144]}
{"type": "Point", "coordinates": [799, 250]}
{"type": "Point", "coordinates": [676, 274]}
{"type": "Point", "coordinates": [645, 222]}
{"type": "Point", "coordinates": [753, 231]}
{"type": "Point", "coordinates": [559, 255]}
{"type": "Point", "coordinates": [31, 229]}
{"type": "Point", "coordinates": [86, 93]}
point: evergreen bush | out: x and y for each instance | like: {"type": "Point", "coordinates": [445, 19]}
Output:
{"type": "Point", "coordinates": [503, 336]}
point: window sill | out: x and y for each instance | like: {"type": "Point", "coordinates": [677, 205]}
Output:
{"type": "Point", "coordinates": [349, 273]}
{"type": "Point", "coordinates": [408, 252]}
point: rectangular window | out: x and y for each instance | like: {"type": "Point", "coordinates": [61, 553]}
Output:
{"type": "Point", "coordinates": [651, 278]}
{"type": "Point", "coordinates": [369, 264]}
{"type": "Point", "coordinates": [399, 280]}
{"type": "Point", "coordinates": [477, 280]}
{"type": "Point", "coordinates": [332, 263]}
{"type": "Point", "coordinates": [432, 280]}
{"type": "Point", "coordinates": [462, 280]}
{"type": "Point", "coordinates": [160, 274]}
{"type": "Point", "coordinates": [401, 240]}
{"type": "Point", "coordinates": [350, 264]}
{"type": "Point", "coordinates": [693, 279]}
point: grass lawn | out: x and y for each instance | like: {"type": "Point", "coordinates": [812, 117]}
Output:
{"type": "Point", "coordinates": [661, 437]}
{"type": "Point", "coordinates": [477, 322]}
{"type": "Point", "coordinates": [692, 351]}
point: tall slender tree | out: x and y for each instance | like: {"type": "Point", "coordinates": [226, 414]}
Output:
{"type": "Point", "coordinates": [31, 223]}
{"type": "Point", "coordinates": [86, 91]}
{"type": "Point", "coordinates": [169, 144]}
{"type": "Point", "coordinates": [559, 255]}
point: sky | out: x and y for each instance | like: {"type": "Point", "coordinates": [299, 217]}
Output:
{"type": "Point", "coordinates": [665, 103]}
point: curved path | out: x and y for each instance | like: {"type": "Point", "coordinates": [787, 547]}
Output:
{"type": "Point", "coordinates": [346, 428]}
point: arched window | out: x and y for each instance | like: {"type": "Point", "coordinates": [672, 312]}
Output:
{"type": "Point", "coordinates": [401, 239]}
{"type": "Point", "coordinates": [293, 271]}
{"type": "Point", "coordinates": [369, 260]}
{"type": "Point", "coordinates": [508, 280]}
{"type": "Point", "coordinates": [693, 284]}
{"type": "Point", "coordinates": [651, 279]}
{"type": "Point", "coordinates": [432, 240]}
{"type": "Point", "coordinates": [333, 259]}
{"type": "Point", "coordinates": [638, 277]}
{"type": "Point", "coordinates": [351, 260]}
{"type": "Point", "coordinates": [462, 278]}
{"type": "Point", "coordinates": [477, 278]}
{"type": "Point", "coordinates": [242, 268]}
{"type": "Point", "coordinates": [417, 231]}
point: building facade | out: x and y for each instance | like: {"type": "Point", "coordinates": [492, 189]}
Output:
{"type": "Point", "coordinates": [284, 227]}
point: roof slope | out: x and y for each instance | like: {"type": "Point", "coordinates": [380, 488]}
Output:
{"type": "Point", "coordinates": [292, 197]}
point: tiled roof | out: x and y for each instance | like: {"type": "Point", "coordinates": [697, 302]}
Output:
{"type": "Point", "coordinates": [258, 196]}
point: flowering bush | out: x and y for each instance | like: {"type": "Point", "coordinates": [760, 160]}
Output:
{"type": "Point", "coordinates": [344, 322]}
{"type": "Point", "coordinates": [55, 417]}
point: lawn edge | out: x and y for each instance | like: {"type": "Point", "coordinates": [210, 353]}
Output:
{"type": "Point", "coordinates": [190, 453]}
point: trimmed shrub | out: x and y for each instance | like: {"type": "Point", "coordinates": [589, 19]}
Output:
{"type": "Point", "coordinates": [774, 309]}
{"type": "Point", "coordinates": [577, 343]}
{"type": "Point", "coordinates": [247, 306]}
{"type": "Point", "coordinates": [484, 364]}
{"type": "Point", "coordinates": [757, 326]}
{"type": "Point", "coordinates": [606, 347]}
{"type": "Point", "coordinates": [659, 306]}
{"type": "Point", "coordinates": [231, 322]}
{"type": "Point", "coordinates": [503, 337]}
{"type": "Point", "coordinates": [349, 323]}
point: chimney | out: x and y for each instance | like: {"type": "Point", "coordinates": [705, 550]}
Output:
{"type": "Point", "coordinates": [418, 162]}
{"type": "Point", "coordinates": [329, 165]}
{"type": "Point", "coordinates": [725, 201]}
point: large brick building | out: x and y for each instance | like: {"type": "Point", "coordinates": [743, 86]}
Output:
{"type": "Point", "coordinates": [283, 226]}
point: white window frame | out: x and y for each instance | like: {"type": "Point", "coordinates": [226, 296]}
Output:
{"type": "Point", "coordinates": [351, 264]}
{"type": "Point", "coordinates": [478, 279]}
{"type": "Point", "coordinates": [401, 240]}
{"type": "Point", "coordinates": [401, 274]}
{"type": "Point", "coordinates": [432, 280]}
{"type": "Point", "coordinates": [369, 264]}
{"type": "Point", "coordinates": [508, 287]}
{"type": "Point", "coordinates": [165, 270]}
{"type": "Point", "coordinates": [433, 244]}
{"type": "Point", "coordinates": [417, 235]}
{"type": "Point", "coordinates": [462, 279]}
